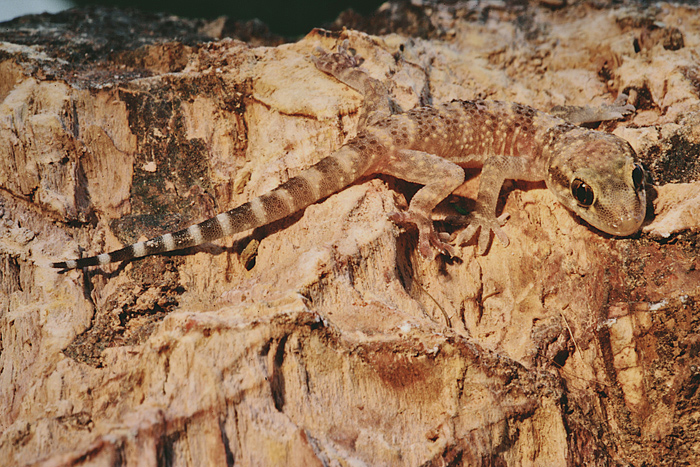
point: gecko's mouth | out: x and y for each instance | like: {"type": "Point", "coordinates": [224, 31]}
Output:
{"type": "Point", "coordinates": [623, 224]}
{"type": "Point", "coordinates": [623, 229]}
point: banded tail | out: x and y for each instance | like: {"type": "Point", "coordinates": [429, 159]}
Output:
{"type": "Point", "coordinates": [328, 176]}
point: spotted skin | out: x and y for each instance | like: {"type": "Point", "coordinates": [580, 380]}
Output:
{"type": "Point", "coordinates": [594, 174]}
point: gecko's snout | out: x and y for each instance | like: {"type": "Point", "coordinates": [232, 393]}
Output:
{"type": "Point", "coordinates": [621, 217]}
{"type": "Point", "coordinates": [626, 225]}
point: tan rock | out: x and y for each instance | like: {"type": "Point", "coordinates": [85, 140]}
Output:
{"type": "Point", "coordinates": [326, 339]}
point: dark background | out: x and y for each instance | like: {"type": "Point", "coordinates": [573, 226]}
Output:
{"type": "Point", "coordinates": [289, 18]}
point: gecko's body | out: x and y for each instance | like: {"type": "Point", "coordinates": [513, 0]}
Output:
{"type": "Point", "coordinates": [594, 174]}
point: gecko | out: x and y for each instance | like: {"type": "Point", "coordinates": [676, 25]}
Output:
{"type": "Point", "coordinates": [595, 175]}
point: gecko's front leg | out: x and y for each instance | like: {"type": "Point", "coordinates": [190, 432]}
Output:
{"type": "Point", "coordinates": [580, 115]}
{"type": "Point", "coordinates": [495, 171]}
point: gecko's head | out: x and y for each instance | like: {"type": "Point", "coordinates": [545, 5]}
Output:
{"type": "Point", "coordinates": [598, 176]}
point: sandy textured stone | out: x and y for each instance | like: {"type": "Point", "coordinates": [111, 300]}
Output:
{"type": "Point", "coordinates": [677, 209]}
{"type": "Point", "coordinates": [326, 339]}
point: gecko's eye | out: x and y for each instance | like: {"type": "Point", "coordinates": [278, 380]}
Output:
{"type": "Point", "coordinates": [582, 192]}
{"type": "Point", "coordinates": [638, 177]}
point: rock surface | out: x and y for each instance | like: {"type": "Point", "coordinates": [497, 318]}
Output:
{"type": "Point", "coordinates": [326, 339]}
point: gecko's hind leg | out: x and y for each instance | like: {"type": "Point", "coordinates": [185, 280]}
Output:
{"type": "Point", "coordinates": [345, 67]}
{"type": "Point", "coordinates": [428, 237]}
{"type": "Point", "coordinates": [336, 63]}
{"type": "Point", "coordinates": [440, 177]}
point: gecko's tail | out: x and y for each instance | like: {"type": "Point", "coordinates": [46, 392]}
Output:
{"type": "Point", "coordinates": [328, 176]}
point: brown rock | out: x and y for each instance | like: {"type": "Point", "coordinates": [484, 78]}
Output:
{"type": "Point", "coordinates": [332, 341]}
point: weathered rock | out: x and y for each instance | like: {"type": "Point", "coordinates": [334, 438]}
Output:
{"type": "Point", "coordinates": [326, 339]}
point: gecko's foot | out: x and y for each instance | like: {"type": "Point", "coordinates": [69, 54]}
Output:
{"type": "Point", "coordinates": [624, 107]}
{"type": "Point", "coordinates": [583, 115]}
{"type": "Point", "coordinates": [429, 239]}
{"type": "Point", "coordinates": [484, 224]}
{"type": "Point", "coordinates": [336, 62]}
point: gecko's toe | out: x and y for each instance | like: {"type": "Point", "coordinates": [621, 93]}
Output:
{"type": "Point", "coordinates": [441, 245]}
{"type": "Point", "coordinates": [429, 239]}
{"type": "Point", "coordinates": [502, 237]}
{"type": "Point", "coordinates": [484, 225]}
{"type": "Point", "coordinates": [460, 238]}
{"type": "Point", "coordinates": [426, 251]}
